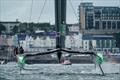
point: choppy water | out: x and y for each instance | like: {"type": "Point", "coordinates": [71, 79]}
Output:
{"type": "Point", "coordinates": [11, 71]}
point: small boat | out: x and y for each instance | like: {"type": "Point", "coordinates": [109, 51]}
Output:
{"type": "Point", "coordinates": [66, 62]}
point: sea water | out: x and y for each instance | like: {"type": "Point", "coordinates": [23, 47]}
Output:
{"type": "Point", "coordinates": [11, 71]}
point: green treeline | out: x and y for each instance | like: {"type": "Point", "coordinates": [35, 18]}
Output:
{"type": "Point", "coordinates": [32, 27]}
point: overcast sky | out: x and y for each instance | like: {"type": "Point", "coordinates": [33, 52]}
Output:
{"type": "Point", "coordinates": [10, 10]}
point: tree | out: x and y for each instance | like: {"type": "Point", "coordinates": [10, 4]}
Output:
{"type": "Point", "coordinates": [43, 26]}
{"type": "Point", "coordinates": [117, 38]}
{"type": "Point", "coordinates": [23, 27]}
{"type": "Point", "coordinates": [31, 27]}
{"type": "Point", "coordinates": [15, 29]}
{"type": "Point", "coordinates": [2, 28]}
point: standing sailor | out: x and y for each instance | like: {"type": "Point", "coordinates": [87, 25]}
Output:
{"type": "Point", "coordinates": [16, 51]}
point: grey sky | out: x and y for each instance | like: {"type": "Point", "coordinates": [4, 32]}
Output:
{"type": "Point", "coordinates": [10, 10]}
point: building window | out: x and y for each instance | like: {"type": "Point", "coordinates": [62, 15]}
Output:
{"type": "Point", "coordinates": [113, 25]}
{"type": "Point", "coordinates": [97, 24]}
{"type": "Point", "coordinates": [103, 43]}
{"type": "Point", "coordinates": [104, 25]}
{"type": "Point", "coordinates": [85, 42]}
{"type": "Point", "coordinates": [98, 43]}
{"type": "Point", "coordinates": [107, 43]}
{"type": "Point", "coordinates": [118, 25]}
{"type": "Point", "coordinates": [97, 14]}
{"type": "Point", "coordinates": [90, 21]}
{"type": "Point", "coordinates": [109, 24]}
{"type": "Point", "coordinates": [113, 43]}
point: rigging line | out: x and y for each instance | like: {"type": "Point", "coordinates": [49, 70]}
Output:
{"type": "Point", "coordinates": [119, 3]}
{"type": "Point", "coordinates": [31, 7]}
{"type": "Point", "coordinates": [73, 10]}
{"type": "Point", "coordinates": [42, 10]}
{"type": "Point", "coordinates": [0, 9]}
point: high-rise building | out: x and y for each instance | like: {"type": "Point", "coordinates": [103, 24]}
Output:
{"type": "Point", "coordinates": [103, 19]}
{"type": "Point", "coordinates": [86, 11]}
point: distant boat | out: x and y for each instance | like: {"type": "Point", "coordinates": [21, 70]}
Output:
{"type": "Point", "coordinates": [66, 62]}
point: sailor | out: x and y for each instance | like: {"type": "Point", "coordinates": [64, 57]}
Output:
{"type": "Point", "coordinates": [16, 51]}
{"type": "Point", "coordinates": [20, 58]}
{"type": "Point", "coordinates": [21, 50]}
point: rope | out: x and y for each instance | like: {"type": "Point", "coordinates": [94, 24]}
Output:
{"type": "Point", "coordinates": [119, 4]}
{"type": "Point", "coordinates": [73, 10]}
{"type": "Point", "coordinates": [42, 10]}
{"type": "Point", "coordinates": [31, 7]}
{"type": "Point", "coordinates": [0, 10]}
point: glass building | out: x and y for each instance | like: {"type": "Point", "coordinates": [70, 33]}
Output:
{"type": "Point", "coordinates": [98, 17]}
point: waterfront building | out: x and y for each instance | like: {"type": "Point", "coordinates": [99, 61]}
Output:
{"type": "Point", "coordinates": [77, 42]}
{"type": "Point", "coordinates": [100, 43]}
{"type": "Point", "coordinates": [99, 19]}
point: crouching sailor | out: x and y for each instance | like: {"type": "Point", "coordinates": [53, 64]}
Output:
{"type": "Point", "coordinates": [19, 54]}
{"type": "Point", "coordinates": [20, 58]}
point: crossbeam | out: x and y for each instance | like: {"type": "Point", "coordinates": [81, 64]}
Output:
{"type": "Point", "coordinates": [67, 51]}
